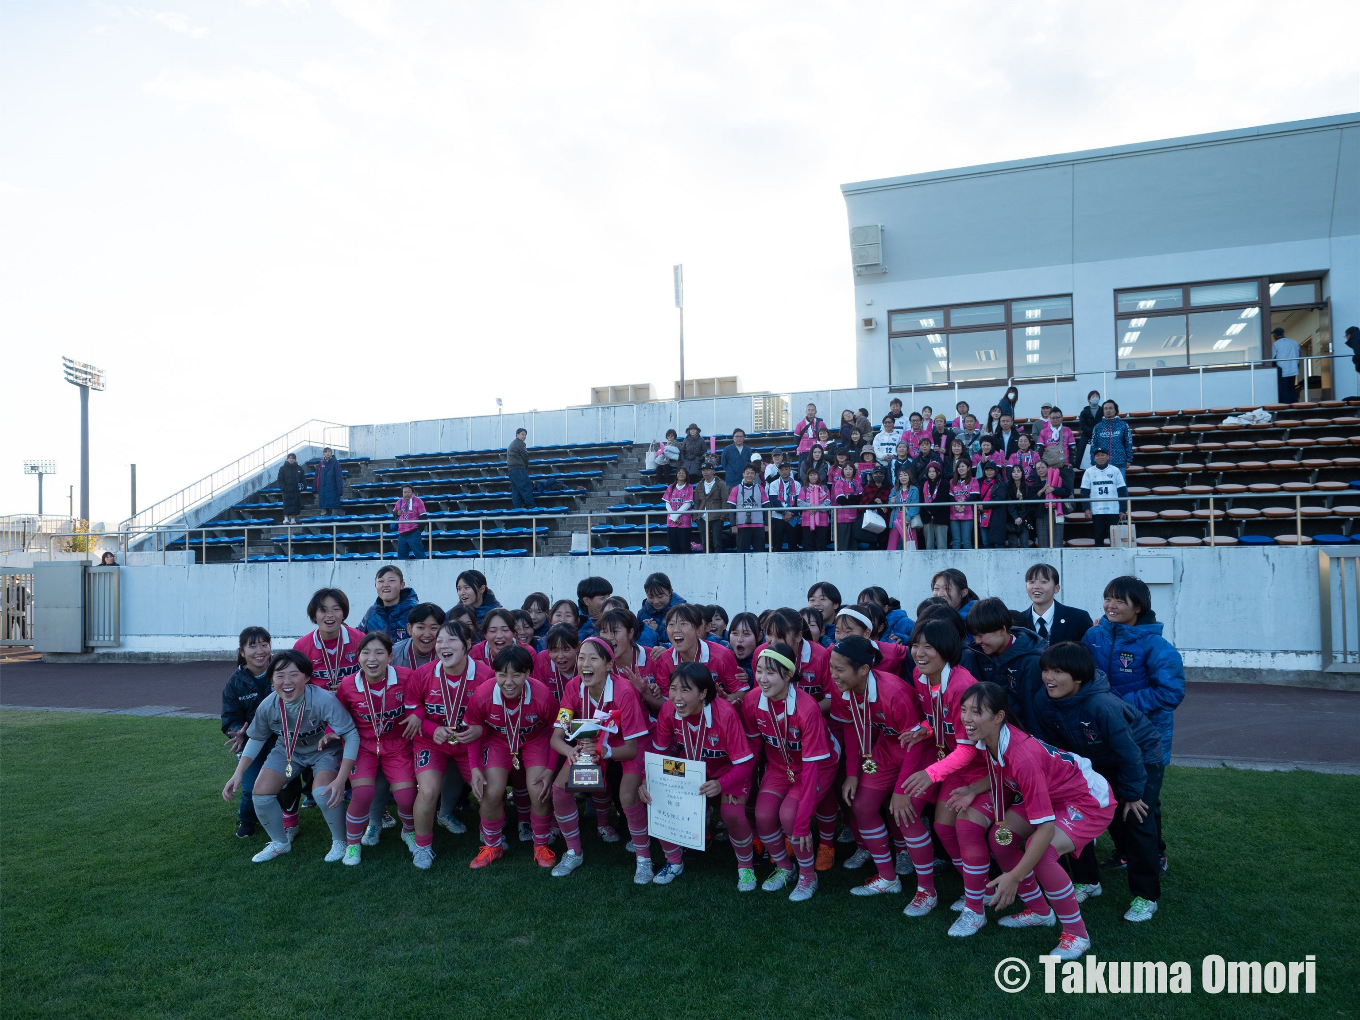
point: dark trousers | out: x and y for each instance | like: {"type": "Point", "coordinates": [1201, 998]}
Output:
{"type": "Point", "coordinates": [678, 539]}
{"type": "Point", "coordinates": [816, 539]}
{"type": "Point", "coordinates": [1289, 387]}
{"type": "Point", "coordinates": [521, 490]}
{"type": "Point", "coordinates": [785, 533]}
{"type": "Point", "coordinates": [847, 535]}
{"type": "Point", "coordinates": [713, 525]}
{"type": "Point", "coordinates": [410, 545]}
{"type": "Point", "coordinates": [1139, 843]}
{"type": "Point", "coordinates": [750, 540]}
{"type": "Point", "coordinates": [1100, 527]}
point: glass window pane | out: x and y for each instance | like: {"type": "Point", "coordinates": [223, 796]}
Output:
{"type": "Point", "coordinates": [1148, 300]}
{"type": "Point", "coordinates": [918, 360]}
{"type": "Point", "coordinates": [1296, 292]}
{"type": "Point", "coordinates": [1041, 309]}
{"type": "Point", "coordinates": [1225, 338]}
{"type": "Point", "coordinates": [1151, 342]}
{"type": "Point", "coordinates": [976, 315]}
{"type": "Point", "coordinates": [1042, 350]}
{"type": "Point", "coordinates": [901, 322]}
{"type": "Point", "coordinates": [1224, 293]}
{"type": "Point", "coordinates": [980, 355]}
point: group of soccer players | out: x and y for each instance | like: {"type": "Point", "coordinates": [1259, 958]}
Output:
{"type": "Point", "coordinates": [907, 735]}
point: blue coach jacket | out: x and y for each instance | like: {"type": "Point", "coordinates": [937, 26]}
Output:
{"type": "Point", "coordinates": [1142, 668]}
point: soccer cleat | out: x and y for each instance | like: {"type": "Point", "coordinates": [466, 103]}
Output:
{"type": "Point", "coordinates": [967, 923]}
{"type": "Point", "coordinates": [668, 874]}
{"type": "Point", "coordinates": [1027, 918]}
{"type": "Point", "coordinates": [409, 838]}
{"type": "Point", "coordinates": [486, 855]}
{"type": "Point", "coordinates": [902, 863]}
{"type": "Point", "coordinates": [526, 832]}
{"type": "Point", "coordinates": [308, 800]}
{"type": "Point", "coordinates": [857, 859]}
{"type": "Point", "coordinates": [746, 880]}
{"type": "Point", "coordinates": [422, 858]}
{"type": "Point", "coordinates": [628, 847]}
{"type": "Point", "coordinates": [371, 835]}
{"type": "Point", "coordinates": [245, 830]}
{"type": "Point", "coordinates": [290, 833]}
{"type": "Point", "coordinates": [608, 834]}
{"type": "Point", "coordinates": [270, 851]}
{"type": "Point", "coordinates": [1141, 909]}
{"type": "Point", "coordinates": [777, 880]}
{"type": "Point", "coordinates": [451, 823]}
{"type": "Point", "coordinates": [845, 835]}
{"type": "Point", "coordinates": [337, 851]}
{"type": "Point", "coordinates": [353, 854]}
{"type": "Point", "coordinates": [544, 857]}
{"type": "Point", "coordinates": [570, 861]}
{"type": "Point", "coordinates": [959, 904]}
{"type": "Point", "coordinates": [757, 847]}
{"type": "Point", "coordinates": [1071, 947]}
{"type": "Point", "coordinates": [803, 890]}
{"type": "Point", "coordinates": [921, 904]}
{"type": "Point", "coordinates": [876, 886]}
{"type": "Point", "coordinates": [388, 821]}
{"type": "Point", "coordinates": [826, 857]}
{"type": "Point", "coordinates": [1114, 862]}
{"type": "Point", "coordinates": [643, 874]}
{"type": "Point", "coordinates": [1087, 892]}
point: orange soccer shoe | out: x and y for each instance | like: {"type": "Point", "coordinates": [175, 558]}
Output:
{"type": "Point", "coordinates": [486, 855]}
{"type": "Point", "coordinates": [826, 857]}
{"type": "Point", "coordinates": [544, 857]}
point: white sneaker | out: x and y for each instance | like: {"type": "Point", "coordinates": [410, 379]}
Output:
{"type": "Point", "coordinates": [451, 823]}
{"type": "Point", "coordinates": [876, 886]}
{"type": "Point", "coordinates": [902, 863]}
{"type": "Point", "coordinates": [669, 873]}
{"type": "Point", "coordinates": [353, 854]}
{"type": "Point", "coordinates": [959, 904]}
{"type": "Point", "coordinates": [608, 834]}
{"type": "Point", "coordinates": [270, 851]}
{"type": "Point", "coordinates": [337, 851]}
{"type": "Point", "coordinates": [746, 880]}
{"type": "Point", "coordinates": [1028, 918]}
{"type": "Point", "coordinates": [423, 857]}
{"type": "Point", "coordinates": [778, 879]}
{"type": "Point", "coordinates": [803, 890]}
{"type": "Point", "coordinates": [644, 874]}
{"type": "Point", "coordinates": [388, 822]}
{"type": "Point", "coordinates": [409, 838]}
{"type": "Point", "coordinates": [570, 861]}
{"type": "Point", "coordinates": [857, 859]}
{"type": "Point", "coordinates": [290, 833]}
{"type": "Point", "coordinates": [370, 836]}
{"type": "Point", "coordinates": [1087, 892]}
{"type": "Point", "coordinates": [526, 832]}
{"type": "Point", "coordinates": [921, 904]}
{"type": "Point", "coordinates": [1071, 947]}
{"type": "Point", "coordinates": [967, 923]}
{"type": "Point", "coordinates": [1140, 910]}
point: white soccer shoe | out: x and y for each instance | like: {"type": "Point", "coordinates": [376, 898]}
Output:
{"type": "Point", "coordinates": [337, 851]}
{"type": "Point", "coordinates": [803, 890]}
{"type": "Point", "coordinates": [877, 886]}
{"type": "Point", "coordinates": [1071, 947]}
{"type": "Point", "coordinates": [1028, 918]}
{"type": "Point", "coordinates": [451, 823]}
{"type": "Point", "coordinates": [270, 851]}
{"type": "Point", "coordinates": [921, 904]}
{"type": "Point", "coordinates": [1087, 892]}
{"type": "Point", "coordinates": [778, 879]}
{"type": "Point", "coordinates": [902, 863]}
{"type": "Point", "coordinates": [409, 838]}
{"type": "Point", "coordinates": [967, 923]}
{"type": "Point", "coordinates": [423, 858]}
{"type": "Point", "coordinates": [644, 873]}
{"type": "Point", "coordinates": [353, 854]}
{"type": "Point", "coordinates": [526, 832]}
{"type": "Point", "coordinates": [371, 835]}
{"type": "Point", "coordinates": [857, 859]}
{"type": "Point", "coordinates": [570, 861]}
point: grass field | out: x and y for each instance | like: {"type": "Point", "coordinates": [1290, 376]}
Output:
{"type": "Point", "coordinates": [126, 894]}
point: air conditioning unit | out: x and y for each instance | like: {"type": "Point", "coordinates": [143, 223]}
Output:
{"type": "Point", "coordinates": [866, 249]}
{"type": "Point", "coordinates": [868, 323]}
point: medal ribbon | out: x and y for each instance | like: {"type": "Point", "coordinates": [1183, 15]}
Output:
{"type": "Point", "coordinates": [332, 671]}
{"type": "Point", "coordinates": [372, 713]}
{"type": "Point", "coordinates": [290, 739]}
{"type": "Point", "coordinates": [864, 728]}
{"type": "Point", "coordinates": [695, 753]}
{"type": "Point", "coordinates": [453, 708]}
{"type": "Point", "coordinates": [782, 738]}
{"type": "Point", "coordinates": [938, 702]}
{"type": "Point", "coordinates": [998, 789]}
{"type": "Point", "coordinates": [513, 734]}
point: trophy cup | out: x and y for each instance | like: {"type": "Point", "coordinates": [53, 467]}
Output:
{"type": "Point", "coordinates": [587, 774]}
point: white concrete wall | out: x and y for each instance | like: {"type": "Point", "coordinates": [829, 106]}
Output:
{"type": "Point", "coordinates": [1249, 608]}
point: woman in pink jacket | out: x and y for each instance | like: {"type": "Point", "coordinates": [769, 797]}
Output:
{"type": "Point", "coordinates": [846, 492]}
{"type": "Point", "coordinates": [816, 524]}
{"type": "Point", "coordinates": [679, 497]}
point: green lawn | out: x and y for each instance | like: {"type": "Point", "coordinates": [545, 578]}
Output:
{"type": "Point", "coordinates": [125, 893]}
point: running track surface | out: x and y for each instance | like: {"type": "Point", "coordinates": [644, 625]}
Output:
{"type": "Point", "coordinates": [1235, 723]}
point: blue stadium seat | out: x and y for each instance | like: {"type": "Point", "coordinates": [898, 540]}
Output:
{"type": "Point", "coordinates": [1256, 540]}
{"type": "Point", "coordinates": [1331, 540]}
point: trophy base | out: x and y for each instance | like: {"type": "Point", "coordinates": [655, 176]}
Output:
{"type": "Point", "coordinates": [586, 777]}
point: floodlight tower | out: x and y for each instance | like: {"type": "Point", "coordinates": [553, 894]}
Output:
{"type": "Point", "coordinates": [87, 377]}
{"type": "Point", "coordinates": [40, 468]}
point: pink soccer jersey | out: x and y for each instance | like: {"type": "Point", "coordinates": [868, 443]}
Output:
{"type": "Point", "coordinates": [333, 661]}
{"type": "Point", "coordinates": [719, 660]}
{"type": "Point", "coordinates": [546, 672]}
{"type": "Point", "coordinates": [940, 706]}
{"type": "Point", "coordinates": [814, 670]}
{"type": "Point", "coordinates": [617, 696]}
{"type": "Point", "coordinates": [891, 711]}
{"type": "Point", "coordinates": [533, 715]}
{"type": "Point", "coordinates": [719, 735]}
{"type": "Point", "coordinates": [1047, 779]}
{"type": "Point", "coordinates": [791, 739]}
{"type": "Point", "coordinates": [376, 709]}
{"type": "Point", "coordinates": [894, 658]}
{"type": "Point", "coordinates": [432, 690]}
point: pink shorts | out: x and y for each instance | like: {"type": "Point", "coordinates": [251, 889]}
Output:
{"type": "Point", "coordinates": [776, 780]}
{"type": "Point", "coordinates": [429, 755]}
{"type": "Point", "coordinates": [744, 790]}
{"type": "Point", "coordinates": [966, 776]}
{"type": "Point", "coordinates": [536, 754]}
{"type": "Point", "coordinates": [396, 763]}
{"type": "Point", "coordinates": [1084, 821]}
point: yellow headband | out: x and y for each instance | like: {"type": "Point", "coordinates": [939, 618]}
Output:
{"type": "Point", "coordinates": [783, 660]}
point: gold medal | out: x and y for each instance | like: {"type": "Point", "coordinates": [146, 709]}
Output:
{"type": "Point", "coordinates": [1003, 835]}
{"type": "Point", "coordinates": [868, 766]}
{"type": "Point", "coordinates": [940, 754]}
{"type": "Point", "coordinates": [789, 772]}
{"type": "Point", "coordinates": [288, 770]}
{"type": "Point", "coordinates": [514, 761]}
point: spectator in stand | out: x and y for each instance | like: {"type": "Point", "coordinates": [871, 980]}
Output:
{"type": "Point", "coordinates": [389, 610]}
{"type": "Point", "coordinates": [679, 499]}
{"type": "Point", "coordinates": [970, 435]}
{"type": "Point", "coordinates": [692, 450]}
{"type": "Point", "coordinates": [963, 492]}
{"type": "Point", "coordinates": [925, 455]}
{"type": "Point", "coordinates": [824, 439]}
{"type": "Point", "coordinates": [992, 518]}
{"type": "Point", "coordinates": [710, 505]}
{"type": "Point", "coordinates": [668, 458]}
{"type": "Point", "coordinates": [1055, 485]}
{"type": "Point", "coordinates": [845, 493]}
{"type": "Point", "coordinates": [734, 458]}
{"type": "Point", "coordinates": [961, 412]}
{"type": "Point", "coordinates": [816, 523]}
{"type": "Point", "coordinates": [905, 491]}
{"type": "Point", "coordinates": [1019, 516]}
{"type": "Point", "coordinates": [1006, 436]}
{"type": "Point", "coordinates": [895, 408]}
{"type": "Point", "coordinates": [862, 422]}
{"type": "Point", "coordinates": [934, 506]}
{"type": "Point", "coordinates": [987, 454]}
{"type": "Point", "coordinates": [329, 483]}
{"type": "Point", "coordinates": [1103, 484]}
{"type": "Point", "coordinates": [1055, 433]}
{"type": "Point", "coordinates": [290, 482]}
{"type": "Point", "coordinates": [868, 461]}
{"type": "Point", "coordinates": [108, 560]}
{"type": "Point", "coordinates": [847, 423]}
{"type": "Point", "coordinates": [410, 535]}
{"type": "Point", "coordinates": [876, 494]}
{"type": "Point", "coordinates": [806, 429]}
{"type": "Point", "coordinates": [1086, 423]}
{"type": "Point", "coordinates": [1286, 354]}
{"type": "Point", "coordinates": [855, 448]}
{"type": "Point", "coordinates": [786, 527]}
{"type": "Point", "coordinates": [475, 595]}
{"type": "Point", "coordinates": [885, 443]}
{"type": "Point", "coordinates": [814, 461]}
{"type": "Point", "coordinates": [1353, 342]}
{"type": "Point", "coordinates": [916, 431]}
{"type": "Point", "coordinates": [955, 453]}
{"type": "Point", "coordinates": [940, 434]}
{"type": "Point", "coordinates": [659, 597]}
{"type": "Point", "coordinates": [771, 472]}
{"type": "Point", "coordinates": [517, 460]}
{"type": "Point", "coordinates": [748, 499]}
{"type": "Point", "coordinates": [1026, 457]}
{"type": "Point", "coordinates": [1112, 433]}
{"type": "Point", "coordinates": [993, 423]}
{"type": "Point", "coordinates": [1008, 401]}
{"type": "Point", "coordinates": [900, 460]}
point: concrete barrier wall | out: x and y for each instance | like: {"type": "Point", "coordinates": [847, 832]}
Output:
{"type": "Point", "coordinates": [1241, 608]}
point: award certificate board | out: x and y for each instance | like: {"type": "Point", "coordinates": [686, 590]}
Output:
{"type": "Point", "coordinates": [678, 810]}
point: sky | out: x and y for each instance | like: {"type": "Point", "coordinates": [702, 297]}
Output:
{"type": "Point", "coordinates": [252, 214]}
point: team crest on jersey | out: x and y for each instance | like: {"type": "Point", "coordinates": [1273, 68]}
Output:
{"type": "Point", "coordinates": [1088, 732]}
{"type": "Point", "coordinates": [712, 740]}
{"type": "Point", "coordinates": [1073, 815]}
{"type": "Point", "coordinates": [1126, 661]}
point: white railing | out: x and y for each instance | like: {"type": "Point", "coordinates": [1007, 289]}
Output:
{"type": "Point", "coordinates": [26, 532]}
{"type": "Point", "coordinates": [313, 433]}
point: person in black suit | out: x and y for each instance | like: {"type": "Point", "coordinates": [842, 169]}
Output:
{"type": "Point", "coordinates": [1006, 436]}
{"type": "Point", "coordinates": [1048, 618]}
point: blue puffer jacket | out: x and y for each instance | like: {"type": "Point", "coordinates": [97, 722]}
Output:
{"type": "Point", "coordinates": [487, 605]}
{"type": "Point", "coordinates": [655, 636]}
{"type": "Point", "coordinates": [1111, 732]}
{"type": "Point", "coordinates": [391, 619]}
{"type": "Point", "coordinates": [1142, 668]}
{"type": "Point", "coordinates": [899, 627]}
{"type": "Point", "coordinates": [329, 484]}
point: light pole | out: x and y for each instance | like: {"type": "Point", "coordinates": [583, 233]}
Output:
{"type": "Point", "coordinates": [679, 272]}
{"type": "Point", "coordinates": [87, 377]}
{"type": "Point", "coordinates": [40, 468]}
{"type": "Point", "coordinates": [500, 420]}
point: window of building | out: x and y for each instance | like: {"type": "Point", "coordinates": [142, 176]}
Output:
{"type": "Point", "coordinates": [1188, 325]}
{"type": "Point", "coordinates": [990, 342]}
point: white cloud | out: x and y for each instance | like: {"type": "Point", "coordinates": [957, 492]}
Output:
{"type": "Point", "coordinates": [173, 20]}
